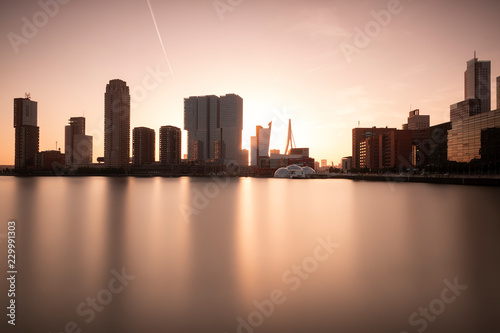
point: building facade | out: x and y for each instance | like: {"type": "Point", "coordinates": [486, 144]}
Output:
{"type": "Point", "coordinates": [214, 122]}
{"type": "Point", "coordinates": [27, 132]}
{"type": "Point", "coordinates": [77, 145]}
{"type": "Point", "coordinates": [379, 148]}
{"type": "Point", "coordinates": [117, 124]}
{"type": "Point", "coordinates": [466, 137]}
{"type": "Point", "coordinates": [477, 82]}
{"type": "Point", "coordinates": [143, 146]}
{"type": "Point", "coordinates": [416, 121]}
{"type": "Point", "coordinates": [170, 145]}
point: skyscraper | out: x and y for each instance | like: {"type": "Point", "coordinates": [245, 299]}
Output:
{"type": "Point", "coordinates": [259, 144]}
{"type": "Point", "coordinates": [263, 139]}
{"type": "Point", "coordinates": [477, 82]}
{"type": "Point", "coordinates": [214, 126]}
{"type": "Point", "coordinates": [26, 132]}
{"type": "Point", "coordinates": [78, 146]}
{"type": "Point", "coordinates": [117, 124]}
{"type": "Point", "coordinates": [253, 150]}
{"type": "Point", "coordinates": [170, 145]}
{"type": "Point", "coordinates": [231, 124]}
{"type": "Point", "coordinates": [143, 146]}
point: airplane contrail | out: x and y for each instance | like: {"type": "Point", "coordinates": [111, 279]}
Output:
{"type": "Point", "coordinates": [159, 37]}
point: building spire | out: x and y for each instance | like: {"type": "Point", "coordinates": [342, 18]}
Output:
{"type": "Point", "coordinates": [475, 54]}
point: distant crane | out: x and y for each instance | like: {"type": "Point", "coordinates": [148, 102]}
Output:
{"type": "Point", "coordinates": [290, 141]}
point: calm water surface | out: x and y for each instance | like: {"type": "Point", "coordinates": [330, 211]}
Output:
{"type": "Point", "coordinates": [204, 255]}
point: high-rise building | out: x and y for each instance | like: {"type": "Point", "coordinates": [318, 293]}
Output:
{"type": "Point", "coordinates": [231, 124]}
{"type": "Point", "coordinates": [214, 122]}
{"type": "Point", "coordinates": [77, 146]}
{"type": "Point", "coordinates": [27, 132]}
{"type": "Point", "coordinates": [324, 163]}
{"type": "Point", "coordinates": [117, 124]}
{"type": "Point", "coordinates": [263, 139]}
{"type": "Point", "coordinates": [416, 121]}
{"type": "Point", "coordinates": [477, 82]}
{"type": "Point", "coordinates": [143, 146]}
{"type": "Point", "coordinates": [477, 91]}
{"type": "Point", "coordinates": [253, 150]}
{"type": "Point", "coordinates": [170, 145]}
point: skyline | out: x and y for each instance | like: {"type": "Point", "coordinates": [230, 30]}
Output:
{"type": "Point", "coordinates": [313, 83]}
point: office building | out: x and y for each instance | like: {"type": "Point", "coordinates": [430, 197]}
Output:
{"type": "Point", "coordinates": [170, 146]}
{"type": "Point", "coordinates": [253, 150]}
{"type": "Point", "coordinates": [438, 155]}
{"type": "Point", "coordinates": [346, 163]}
{"type": "Point", "coordinates": [377, 148]}
{"type": "Point", "coordinates": [324, 163]}
{"type": "Point", "coordinates": [143, 146]}
{"type": "Point", "coordinates": [465, 109]}
{"type": "Point", "coordinates": [467, 136]}
{"type": "Point", "coordinates": [117, 124]}
{"type": "Point", "coordinates": [259, 144]}
{"type": "Point", "coordinates": [416, 121]}
{"type": "Point", "coordinates": [477, 91]}
{"type": "Point", "coordinates": [51, 160]}
{"type": "Point", "coordinates": [245, 157]}
{"type": "Point", "coordinates": [77, 145]}
{"type": "Point", "coordinates": [27, 132]}
{"type": "Point", "coordinates": [477, 82]}
{"type": "Point", "coordinates": [214, 122]}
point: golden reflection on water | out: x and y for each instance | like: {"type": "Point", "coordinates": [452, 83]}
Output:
{"type": "Point", "coordinates": [203, 250]}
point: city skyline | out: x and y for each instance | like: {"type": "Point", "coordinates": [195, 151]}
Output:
{"type": "Point", "coordinates": [317, 87]}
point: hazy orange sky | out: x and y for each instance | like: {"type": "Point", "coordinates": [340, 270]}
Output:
{"type": "Point", "coordinates": [283, 58]}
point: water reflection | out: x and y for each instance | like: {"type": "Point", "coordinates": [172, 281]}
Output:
{"type": "Point", "coordinates": [203, 250]}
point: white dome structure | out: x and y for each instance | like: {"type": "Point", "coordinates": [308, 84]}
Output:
{"type": "Point", "coordinates": [308, 171]}
{"type": "Point", "coordinates": [282, 173]}
{"type": "Point", "coordinates": [294, 167]}
{"type": "Point", "coordinates": [294, 171]}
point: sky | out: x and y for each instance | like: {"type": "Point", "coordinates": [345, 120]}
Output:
{"type": "Point", "coordinates": [327, 65]}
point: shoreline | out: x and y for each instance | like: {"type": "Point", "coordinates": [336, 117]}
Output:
{"type": "Point", "coordinates": [476, 180]}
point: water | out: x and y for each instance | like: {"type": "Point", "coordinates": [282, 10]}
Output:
{"type": "Point", "coordinates": [203, 256]}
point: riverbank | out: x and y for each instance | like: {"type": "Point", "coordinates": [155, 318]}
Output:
{"type": "Point", "coordinates": [483, 180]}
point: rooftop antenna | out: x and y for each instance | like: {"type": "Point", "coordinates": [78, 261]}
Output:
{"type": "Point", "coordinates": [27, 95]}
{"type": "Point", "coordinates": [358, 123]}
{"type": "Point", "coordinates": [56, 145]}
{"type": "Point", "coordinates": [474, 54]}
